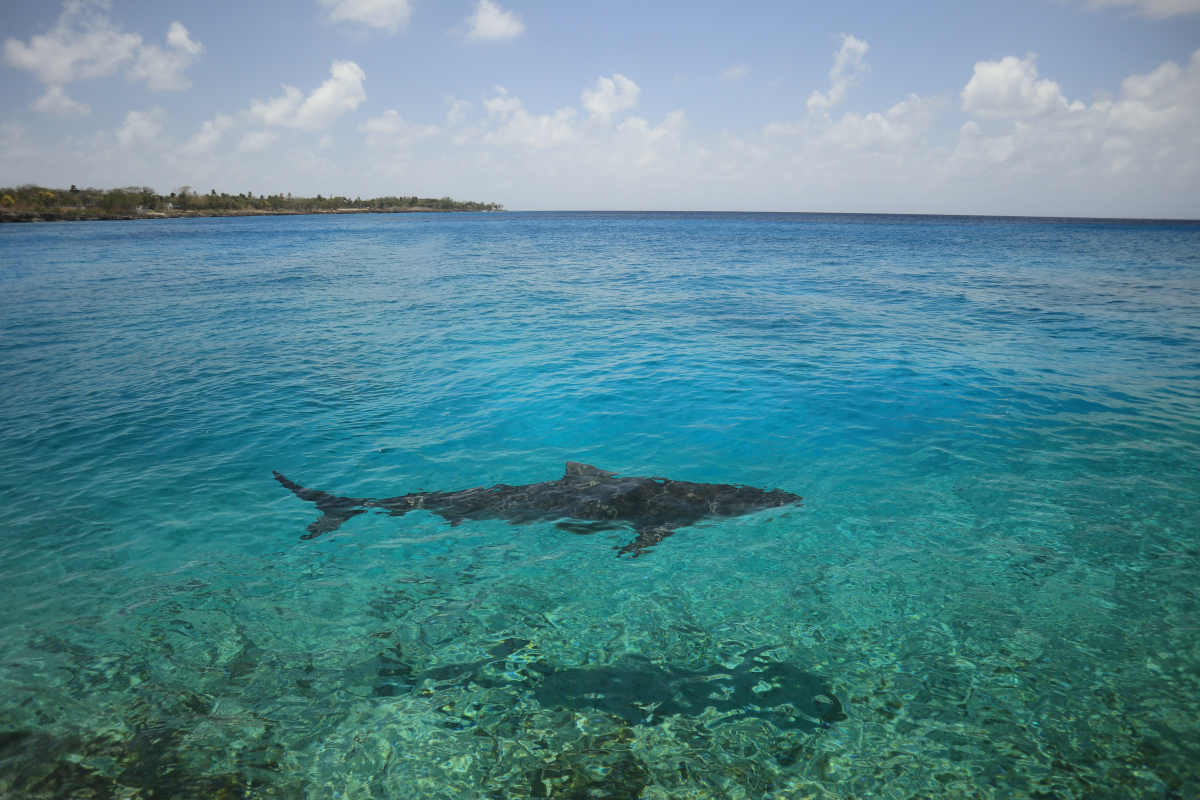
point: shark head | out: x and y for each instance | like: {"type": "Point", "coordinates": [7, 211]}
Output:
{"type": "Point", "coordinates": [578, 470]}
{"type": "Point", "coordinates": [747, 499]}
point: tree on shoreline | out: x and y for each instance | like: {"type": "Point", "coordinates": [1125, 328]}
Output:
{"type": "Point", "coordinates": [92, 202]}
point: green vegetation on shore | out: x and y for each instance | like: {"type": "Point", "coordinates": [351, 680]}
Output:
{"type": "Point", "coordinates": [30, 200]}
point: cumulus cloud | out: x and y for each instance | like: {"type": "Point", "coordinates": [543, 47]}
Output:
{"type": "Point", "coordinates": [391, 130]}
{"type": "Point", "coordinates": [141, 128]}
{"type": "Point", "coordinates": [735, 73]}
{"type": "Point", "coordinates": [1159, 9]}
{"type": "Point", "coordinates": [388, 15]}
{"type": "Point", "coordinates": [849, 65]}
{"type": "Point", "coordinates": [1165, 101]}
{"type": "Point", "coordinates": [640, 144]}
{"type": "Point", "coordinates": [1151, 129]}
{"type": "Point", "coordinates": [543, 143]}
{"type": "Point", "coordinates": [490, 22]}
{"type": "Point", "coordinates": [209, 135]}
{"type": "Point", "coordinates": [56, 101]}
{"type": "Point", "coordinates": [1025, 149]}
{"type": "Point", "coordinates": [163, 68]}
{"type": "Point", "coordinates": [457, 111]}
{"type": "Point", "coordinates": [85, 43]}
{"type": "Point", "coordinates": [900, 129]}
{"type": "Point", "coordinates": [502, 104]}
{"type": "Point", "coordinates": [610, 96]}
{"type": "Point", "coordinates": [1009, 89]}
{"type": "Point", "coordinates": [341, 93]}
{"type": "Point", "coordinates": [257, 141]}
{"type": "Point", "coordinates": [518, 126]}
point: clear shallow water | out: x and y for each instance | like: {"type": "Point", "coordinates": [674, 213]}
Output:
{"type": "Point", "coordinates": [995, 425]}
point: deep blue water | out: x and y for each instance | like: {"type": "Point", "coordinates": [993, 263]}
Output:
{"type": "Point", "coordinates": [995, 425]}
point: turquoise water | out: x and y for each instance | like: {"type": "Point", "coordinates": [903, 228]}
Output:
{"type": "Point", "coordinates": [992, 579]}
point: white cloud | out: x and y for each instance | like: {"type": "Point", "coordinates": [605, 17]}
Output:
{"type": "Point", "coordinates": [278, 110]}
{"type": "Point", "coordinates": [848, 69]}
{"type": "Point", "coordinates": [1008, 89]}
{"type": "Point", "coordinates": [639, 144]}
{"type": "Point", "coordinates": [490, 22]}
{"type": "Point", "coordinates": [1163, 102]}
{"type": "Point", "coordinates": [388, 15]}
{"type": "Point", "coordinates": [1159, 9]}
{"type": "Point", "coordinates": [56, 101]}
{"type": "Point", "coordinates": [736, 72]}
{"type": "Point", "coordinates": [549, 144]}
{"type": "Point", "coordinates": [86, 43]}
{"type": "Point", "coordinates": [341, 93]}
{"type": "Point", "coordinates": [391, 130]}
{"type": "Point", "coordinates": [457, 111]}
{"type": "Point", "coordinates": [501, 104]}
{"type": "Point", "coordinates": [1031, 151]}
{"type": "Point", "coordinates": [141, 128]}
{"type": "Point", "coordinates": [899, 129]}
{"type": "Point", "coordinates": [610, 96]}
{"type": "Point", "coordinates": [209, 135]}
{"type": "Point", "coordinates": [1025, 150]}
{"type": "Point", "coordinates": [518, 126]}
{"type": "Point", "coordinates": [257, 141]}
{"type": "Point", "coordinates": [163, 69]}
{"type": "Point", "coordinates": [1151, 129]}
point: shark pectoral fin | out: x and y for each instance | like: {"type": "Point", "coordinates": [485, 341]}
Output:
{"type": "Point", "coordinates": [646, 538]}
{"type": "Point", "coordinates": [331, 521]}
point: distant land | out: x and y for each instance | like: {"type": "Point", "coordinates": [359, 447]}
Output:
{"type": "Point", "coordinates": [31, 203]}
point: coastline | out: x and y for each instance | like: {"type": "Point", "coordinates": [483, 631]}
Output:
{"type": "Point", "coordinates": [72, 216]}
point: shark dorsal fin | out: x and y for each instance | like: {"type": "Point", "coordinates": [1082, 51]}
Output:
{"type": "Point", "coordinates": [577, 470]}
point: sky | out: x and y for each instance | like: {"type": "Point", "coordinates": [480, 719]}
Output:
{"type": "Point", "coordinates": [1027, 107]}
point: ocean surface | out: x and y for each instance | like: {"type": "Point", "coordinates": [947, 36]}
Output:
{"type": "Point", "coordinates": [989, 589]}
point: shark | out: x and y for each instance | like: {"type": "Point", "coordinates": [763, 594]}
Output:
{"type": "Point", "coordinates": [586, 499]}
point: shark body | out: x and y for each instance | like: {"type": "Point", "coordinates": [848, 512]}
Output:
{"type": "Point", "coordinates": [585, 500]}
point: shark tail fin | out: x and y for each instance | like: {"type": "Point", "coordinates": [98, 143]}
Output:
{"type": "Point", "coordinates": [336, 510]}
{"type": "Point", "coordinates": [311, 495]}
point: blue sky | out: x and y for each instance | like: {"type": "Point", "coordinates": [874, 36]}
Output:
{"type": "Point", "coordinates": [1056, 107]}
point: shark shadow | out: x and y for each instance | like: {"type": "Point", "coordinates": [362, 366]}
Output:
{"type": "Point", "coordinates": [642, 692]}
{"type": "Point", "coordinates": [584, 500]}
{"type": "Point", "coordinates": [639, 691]}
